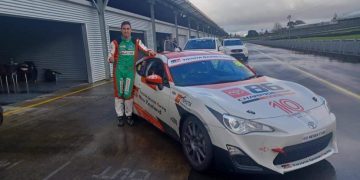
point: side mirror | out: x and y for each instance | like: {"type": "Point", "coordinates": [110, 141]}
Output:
{"type": "Point", "coordinates": [154, 79]}
{"type": "Point", "coordinates": [221, 48]}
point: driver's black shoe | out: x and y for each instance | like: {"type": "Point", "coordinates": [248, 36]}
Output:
{"type": "Point", "coordinates": [121, 121]}
{"type": "Point", "coordinates": [130, 120]}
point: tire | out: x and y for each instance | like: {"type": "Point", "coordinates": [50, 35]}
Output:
{"type": "Point", "coordinates": [196, 144]}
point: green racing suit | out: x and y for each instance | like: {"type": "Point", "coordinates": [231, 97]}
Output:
{"type": "Point", "coordinates": [125, 53]}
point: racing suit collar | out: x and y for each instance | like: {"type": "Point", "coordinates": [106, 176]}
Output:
{"type": "Point", "coordinates": [126, 39]}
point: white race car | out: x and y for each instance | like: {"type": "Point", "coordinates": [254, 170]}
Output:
{"type": "Point", "coordinates": [235, 48]}
{"type": "Point", "coordinates": [226, 115]}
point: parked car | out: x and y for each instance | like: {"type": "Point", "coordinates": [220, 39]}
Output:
{"type": "Point", "coordinates": [223, 113]}
{"type": "Point", "coordinates": [235, 48]}
{"type": "Point", "coordinates": [203, 44]}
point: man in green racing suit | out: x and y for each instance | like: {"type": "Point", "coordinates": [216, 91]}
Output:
{"type": "Point", "coordinates": [123, 55]}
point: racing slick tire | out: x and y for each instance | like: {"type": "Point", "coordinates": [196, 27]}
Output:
{"type": "Point", "coordinates": [196, 144]}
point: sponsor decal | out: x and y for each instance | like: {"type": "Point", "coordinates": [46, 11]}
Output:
{"type": "Point", "coordinates": [198, 58]}
{"type": "Point", "coordinates": [264, 149]}
{"type": "Point", "coordinates": [315, 135]}
{"type": "Point", "coordinates": [287, 106]}
{"type": "Point", "coordinates": [256, 92]}
{"type": "Point", "coordinates": [236, 92]}
{"type": "Point", "coordinates": [178, 98]}
{"type": "Point", "coordinates": [153, 104]}
{"type": "Point", "coordinates": [289, 165]}
{"type": "Point", "coordinates": [127, 52]}
{"type": "Point", "coordinates": [130, 46]}
{"type": "Point", "coordinates": [239, 64]}
{"type": "Point", "coordinates": [182, 100]}
{"type": "Point", "coordinates": [174, 61]}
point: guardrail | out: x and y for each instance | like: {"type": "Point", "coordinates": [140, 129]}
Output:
{"type": "Point", "coordinates": [341, 47]}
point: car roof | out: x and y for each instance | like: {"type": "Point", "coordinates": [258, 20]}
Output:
{"type": "Point", "coordinates": [232, 39]}
{"type": "Point", "coordinates": [172, 55]}
{"type": "Point", "coordinates": [202, 38]}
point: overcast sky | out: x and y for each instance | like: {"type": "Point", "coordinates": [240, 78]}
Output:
{"type": "Point", "coordinates": [243, 15]}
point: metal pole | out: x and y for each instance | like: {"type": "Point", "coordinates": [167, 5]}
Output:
{"type": "Point", "coordinates": [203, 30]}
{"type": "Point", "coordinates": [152, 14]}
{"type": "Point", "coordinates": [189, 26]}
{"type": "Point", "coordinates": [197, 30]}
{"type": "Point", "coordinates": [176, 27]}
{"type": "Point", "coordinates": [101, 6]}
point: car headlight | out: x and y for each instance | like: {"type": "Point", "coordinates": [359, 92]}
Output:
{"type": "Point", "coordinates": [325, 103]}
{"type": "Point", "coordinates": [243, 126]}
{"type": "Point", "coordinates": [245, 50]}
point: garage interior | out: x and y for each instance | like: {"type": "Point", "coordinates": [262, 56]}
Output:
{"type": "Point", "coordinates": [160, 39]}
{"type": "Point", "coordinates": [39, 57]}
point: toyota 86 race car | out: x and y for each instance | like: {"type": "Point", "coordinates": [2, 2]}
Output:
{"type": "Point", "coordinates": [224, 114]}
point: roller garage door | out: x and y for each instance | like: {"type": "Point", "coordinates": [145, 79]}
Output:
{"type": "Point", "coordinates": [44, 45]}
{"type": "Point", "coordinates": [48, 44]}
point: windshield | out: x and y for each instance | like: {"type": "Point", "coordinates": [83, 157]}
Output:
{"type": "Point", "coordinates": [235, 42]}
{"type": "Point", "coordinates": [210, 72]}
{"type": "Point", "coordinates": [200, 44]}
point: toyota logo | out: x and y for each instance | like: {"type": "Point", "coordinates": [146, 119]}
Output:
{"type": "Point", "coordinates": [311, 125]}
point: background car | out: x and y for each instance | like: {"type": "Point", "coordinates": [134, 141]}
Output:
{"type": "Point", "coordinates": [224, 114]}
{"type": "Point", "coordinates": [203, 44]}
{"type": "Point", "coordinates": [235, 48]}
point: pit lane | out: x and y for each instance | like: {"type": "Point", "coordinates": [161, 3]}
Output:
{"type": "Point", "coordinates": [75, 136]}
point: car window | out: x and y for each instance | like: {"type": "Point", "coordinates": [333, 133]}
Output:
{"type": "Point", "coordinates": [235, 42]}
{"type": "Point", "coordinates": [210, 72]}
{"type": "Point", "coordinates": [140, 68]}
{"type": "Point", "coordinates": [155, 66]}
{"type": "Point", "coordinates": [200, 44]}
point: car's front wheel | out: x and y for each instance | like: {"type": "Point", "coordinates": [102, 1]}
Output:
{"type": "Point", "coordinates": [196, 144]}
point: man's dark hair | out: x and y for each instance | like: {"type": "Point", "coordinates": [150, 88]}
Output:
{"type": "Point", "coordinates": [125, 23]}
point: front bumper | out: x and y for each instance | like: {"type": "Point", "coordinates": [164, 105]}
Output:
{"type": "Point", "coordinates": [257, 155]}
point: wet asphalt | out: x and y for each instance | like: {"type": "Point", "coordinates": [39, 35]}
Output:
{"type": "Point", "coordinates": [76, 137]}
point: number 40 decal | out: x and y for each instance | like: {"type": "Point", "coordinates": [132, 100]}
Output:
{"type": "Point", "coordinates": [287, 105]}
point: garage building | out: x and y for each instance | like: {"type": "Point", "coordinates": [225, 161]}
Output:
{"type": "Point", "coordinates": [71, 37]}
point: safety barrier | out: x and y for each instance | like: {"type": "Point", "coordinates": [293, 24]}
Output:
{"type": "Point", "coordinates": [341, 47]}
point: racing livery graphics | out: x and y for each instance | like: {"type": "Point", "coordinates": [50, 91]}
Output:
{"type": "Point", "coordinates": [226, 115]}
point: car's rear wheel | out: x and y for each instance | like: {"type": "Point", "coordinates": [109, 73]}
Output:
{"type": "Point", "coordinates": [196, 144]}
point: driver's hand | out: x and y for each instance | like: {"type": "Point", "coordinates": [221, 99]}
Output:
{"type": "Point", "coordinates": [152, 53]}
{"type": "Point", "coordinates": [111, 59]}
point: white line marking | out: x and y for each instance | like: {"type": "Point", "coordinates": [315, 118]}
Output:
{"type": "Point", "coordinates": [57, 170]}
{"type": "Point", "coordinates": [334, 86]}
{"type": "Point", "coordinates": [15, 164]}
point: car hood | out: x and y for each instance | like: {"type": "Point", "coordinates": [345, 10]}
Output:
{"type": "Point", "coordinates": [212, 50]}
{"type": "Point", "coordinates": [257, 98]}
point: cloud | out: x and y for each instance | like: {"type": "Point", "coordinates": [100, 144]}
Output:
{"type": "Point", "coordinates": [240, 16]}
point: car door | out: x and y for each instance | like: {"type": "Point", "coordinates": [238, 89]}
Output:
{"type": "Point", "coordinates": [154, 99]}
